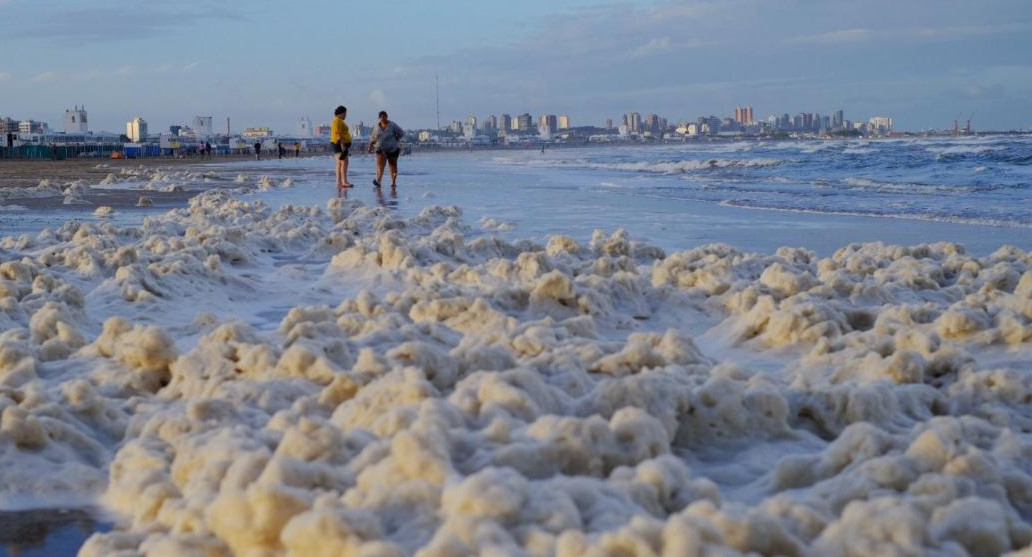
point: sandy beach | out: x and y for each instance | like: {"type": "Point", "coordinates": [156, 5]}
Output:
{"type": "Point", "coordinates": [27, 173]}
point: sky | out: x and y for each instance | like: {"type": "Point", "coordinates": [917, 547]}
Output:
{"type": "Point", "coordinates": [924, 63]}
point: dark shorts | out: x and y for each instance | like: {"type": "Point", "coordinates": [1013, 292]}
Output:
{"type": "Point", "coordinates": [341, 150]}
{"type": "Point", "coordinates": [392, 156]}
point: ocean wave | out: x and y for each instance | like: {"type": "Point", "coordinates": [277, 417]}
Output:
{"type": "Point", "coordinates": [652, 167]}
{"type": "Point", "coordinates": [967, 149]}
{"type": "Point", "coordinates": [875, 213]}
{"type": "Point", "coordinates": [867, 184]}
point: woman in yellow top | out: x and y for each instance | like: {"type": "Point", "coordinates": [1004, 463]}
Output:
{"type": "Point", "coordinates": [340, 138]}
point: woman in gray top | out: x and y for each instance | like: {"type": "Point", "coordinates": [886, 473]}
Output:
{"type": "Point", "coordinates": [386, 141]}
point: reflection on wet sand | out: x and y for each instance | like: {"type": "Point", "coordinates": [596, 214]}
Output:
{"type": "Point", "coordinates": [391, 203]}
{"type": "Point", "coordinates": [46, 531]}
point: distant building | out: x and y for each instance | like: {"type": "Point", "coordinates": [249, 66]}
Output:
{"type": "Point", "coordinates": [654, 125]}
{"type": "Point", "coordinates": [322, 130]}
{"type": "Point", "coordinates": [360, 130]}
{"type": "Point", "coordinates": [75, 120]}
{"type": "Point", "coordinates": [202, 127]}
{"type": "Point", "coordinates": [633, 122]}
{"type": "Point", "coordinates": [8, 125]}
{"type": "Point", "coordinates": [262, 131]}
{"type": "Point", "coordinates": [523, 122]}
{"type": "Point", "coordinates": [472, 121]}
{"type": "Point", "coordinates": [564, 122]}
{"type": "Point", "coordinates": [32, 126]}
{"type": "Point", "coordinates": [136, 129]}
{"type": "Point", "coordinates": [549, 123]}
{"type": "Point", "coordinates": [490, 126]}
{"type": "Point", "coordinates": [837, 119]}
{"type": "Point", "coordinates": [880, 125]}
{"type": "Point", "coordinates": [609, 123]}
{"type": "Point", "coordinates": [174, 130]}
{"type": "Point", "coordinates": [304, 127]}
{"type": "Point", "coordinates": [504, 123]}
{"type": "Point", "coordinates": [469, 129]}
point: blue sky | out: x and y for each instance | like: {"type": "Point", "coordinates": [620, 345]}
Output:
{"type": "Point", "coordinates": [263, 62]}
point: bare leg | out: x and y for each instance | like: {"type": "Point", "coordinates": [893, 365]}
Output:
{"type": "Point", "coordinates": [340, 173]}
{"type": "Point", "coordinates": [394, 173]}
{"type": "Point", "coordinates": [381, 160]}
{"type": "Point", "coordinates": [344, 164]}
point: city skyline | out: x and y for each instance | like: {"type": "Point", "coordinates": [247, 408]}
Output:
{"type": "Point", "coordinates": [264, 63]}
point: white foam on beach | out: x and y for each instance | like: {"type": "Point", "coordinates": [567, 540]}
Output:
{"type": "Point", "coordinates": [232, 379]}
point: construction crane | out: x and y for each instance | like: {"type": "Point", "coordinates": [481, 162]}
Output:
{"type": "Point", "coordinates": [967, 128]}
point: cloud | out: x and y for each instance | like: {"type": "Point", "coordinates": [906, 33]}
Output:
{"type": "Point", "coordinates": [79, 24]}
{"type": "Point", "coordinates": [378, 97]}
{"type": "Point", "coordinates": [653, 47]}
{"type": "Point", "coordinates": [191, 66]}
{"type": "Point", "coordinates": [863, 35]}
{"type": "Point", "coordinates": [44, 77]}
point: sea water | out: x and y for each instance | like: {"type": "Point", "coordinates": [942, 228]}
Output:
{"type": "Point", "coordinates": [752, 194]}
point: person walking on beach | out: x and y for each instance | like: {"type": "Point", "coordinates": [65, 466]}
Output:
{"type": "Point", "coordinates": [297, 150]}
{"type": "Point", "coordinates": [340, 138]}
{"type": "Point", "coordinates": [386, 141]}
{"type": "Point", "coordinates": [207, 148]}
{"type": "Point", "coordinates": [281, 149]}
{"type": "Point", "coordinates": [258, 150]}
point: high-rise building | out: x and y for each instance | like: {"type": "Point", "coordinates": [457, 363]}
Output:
{"type": "Point", "coordinates": [8, 125]}
{"type": "Point", "coordinates": [744, 115]}
{"type": "Point", "coordinates": [609, 123]}
{"type": "Point", "coordinates": [75, 120]}
{"type": "Point", "coordinates": [523, 122]}
{"type": "Point", "coordinates": [652, 124]}
{"type": "Point", "coordinates": [880, 124]}
{"type": "Point", "coordinates": [548, 122]}
{"type": "Point", "coordinates": [564, 122]}
{"type": "Point", "coordinates": [202, 127]}
{"type": "Point", "coordinates": [505, 123]}
{"type": "Point", "coordinates": [837, 119]}
{"type": "Point", "coordinates": [174, 129]}
{"type": "Point", "coordinates": [32, 126]}
{"type": "Point", "coordinates": [633, 121]}
{"type": "Point", "coordinates": [136, 129]}
{"type": "Point", "coordinates": [304, 127]}
{"type": "Point", "coordinates": [472, 120]}
{"type": "Point", "coordinates": [456, 126]}
{"type": "Point", "coordinates": [490, 125]}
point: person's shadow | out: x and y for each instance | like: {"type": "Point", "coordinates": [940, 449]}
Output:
{"type": "Point", "coordinates": [392, 202]}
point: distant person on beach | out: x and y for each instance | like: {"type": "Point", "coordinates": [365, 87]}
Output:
{"type": "Point", "coordinates": [297, 150]}
{"type": "Point", "coordinates": [281, 149]}
{"type": "Point", "coordinates": [207, 148]}
{"type": "Point", "coordinates": [386, 141]}
{"type": "Point", "coordinates": [340, 138]}
{"type": "Point", "coordinates": [258, 150]}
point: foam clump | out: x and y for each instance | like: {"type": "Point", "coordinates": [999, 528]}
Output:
{"type": "Point", "coordinates": [422, 388]}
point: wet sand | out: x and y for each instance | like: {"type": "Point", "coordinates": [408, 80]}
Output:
{"type": "Point", "coordinates": [28, 173]}
{"type": "Point", "coordinates": [46, 531]}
